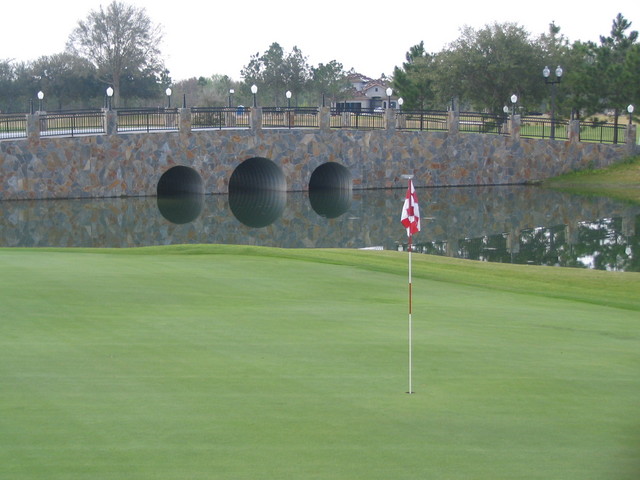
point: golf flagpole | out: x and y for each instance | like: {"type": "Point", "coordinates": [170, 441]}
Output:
{"type": "Point", "coordinates": [410, 323]}
{"type": "Point", "coordinates": [411, 221]}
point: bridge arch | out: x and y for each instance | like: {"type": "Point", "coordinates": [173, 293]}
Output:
{"type": "Point", "coordinates": [330, 190]}
{"type": "Point", "coordinates": [330, 175]}
{"type": "Point", "coordinates": [180, 180]}
{"type": "Point", "coordinates": [257, 173]}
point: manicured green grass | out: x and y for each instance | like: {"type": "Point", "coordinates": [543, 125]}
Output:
{"type": "Point", "coordinates": [221, 362]}
{"type": "Point", "coordinates": [620, 181]}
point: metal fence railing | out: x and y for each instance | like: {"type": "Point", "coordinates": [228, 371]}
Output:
{"type": "Point", "coordinates": [433, 121]}
{"type": "Point", "coordinates": [538, 127]}
{"type": "Point", "coordinates": [483, 123]}
{"type": "Point", "coordinates": [599, 132]}
{"type": "Point", "coordinates": [146, 120]}
{"type": "Point", "coordinates": [219, 118]}
{"type": "Point", "coordinates": [363, 119]}
{"type": "Point", "coordinates": [13, 126]}
{"type": "Point", "coordinates": [84, 122]}
{"type": "Point", "coordinates": [290, 117]}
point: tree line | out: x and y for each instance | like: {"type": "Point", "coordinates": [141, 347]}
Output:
{"type": "Point", "coordinates": [117, 46]}
{"type": "Point", "coordinates": [483, 68]}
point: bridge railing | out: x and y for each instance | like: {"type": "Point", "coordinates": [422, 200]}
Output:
{"type": "Point", "coordinates": [13, 126]}
{"type": "Point", "coordinates": [473, 122]}
{"type": "Point", "coordinates": [84, 122]}
{"type": "Point", "coordinates": [290, 117]}
{"type": "Point", "coordinates": [539, 127]}
{"type": "Point", "coordinates": [421, 120]}
{"type": "Point", "coordinates": [360, 119]}
{"type": "Point", "coordinates": [146, 120]}
{"type": "Point", "coordinates": [601, 132]}
{"type": "Point", "coordinates": [219, 118]}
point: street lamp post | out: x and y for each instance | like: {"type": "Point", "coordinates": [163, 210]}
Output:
{"type": "Point", "coordinates": [40, 98]}
{"type": "Point", "coordinates": [389, 93]}
{"type": "Point", "coordinates": [231, 92]}
{"type": "Point", "coordinates": [514, 100]}
{"type": "Point", "coordinates": [630, 110]}
{"type": "Point", "coordinates": [288, 115]}
{"type": "Point", "coordinates": [546, 73]}
{"type": "Point", "coordinates": [505, 110]}
{"type": "Point", "coordinates": [254, 90]}
{"type": "Point", "coordinates": [168, 92]}
{"type": "Point", "coordinates": [109, 95]}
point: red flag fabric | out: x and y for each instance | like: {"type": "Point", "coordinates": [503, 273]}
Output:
{"type": "Point", "coordinates": [411, 211]}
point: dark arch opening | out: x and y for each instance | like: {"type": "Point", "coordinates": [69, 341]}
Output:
{"type": "Point", "coordinates": [257, 173]}
{"type": "Point", "coordinates": [330, 175]}
{"type": "Point", "coordinates": [180, 194]}
{"type": "Point", "coordinates": [257, 192]}
{"type": "Point", "coordinates": [330, 190]}
{"type": "Point", "coordinates": [180, 180]}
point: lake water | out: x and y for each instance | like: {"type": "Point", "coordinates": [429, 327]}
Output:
{"type": "Point", "coordinates": [511, 224]}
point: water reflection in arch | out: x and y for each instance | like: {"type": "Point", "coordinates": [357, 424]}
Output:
{"type": "Point", "coordinates": [258, 208]}
{"type": "Point", "coordinates": [180, 208]}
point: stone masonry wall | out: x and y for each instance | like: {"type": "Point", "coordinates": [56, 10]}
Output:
{"type": "Point", "coordinates": [95, 166]}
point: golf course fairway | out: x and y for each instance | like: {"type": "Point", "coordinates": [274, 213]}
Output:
{"type": "Point", "coordinates": [233, 362]}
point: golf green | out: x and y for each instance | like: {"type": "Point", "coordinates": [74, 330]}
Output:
{"type": "Point", "coordinates": [220, 362]}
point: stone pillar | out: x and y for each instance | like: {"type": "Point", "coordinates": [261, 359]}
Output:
{"type": "Point", "coordinates": [631, 138]}
{"type": "Point", "coordinates": [390, 119]}
{"type": "Point", "coordinates": [110, 122]}
{"type": "Point", "coordinates": [255, 118]}
{"type": "Point", "coordinates": [324, 118]}
{"type": "Point", "coordinates": [574, 131]}
{"type": "Point", "coordinates": [515, 127]}
{"type": "Point", "coordinates": [184, 119]}
{"type": "Point", "coordinates": [453, 122]}
{"type": "Point", "coordinates": [33, 127]}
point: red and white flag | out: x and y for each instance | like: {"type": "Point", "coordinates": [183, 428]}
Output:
{"type": "Point", "coordinates": [411, 211]}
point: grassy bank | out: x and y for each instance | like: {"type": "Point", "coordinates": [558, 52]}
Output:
{"type": "Point", "coordinates": [621, 181]}
{"type": "Point", "coordinates": [222, 362]}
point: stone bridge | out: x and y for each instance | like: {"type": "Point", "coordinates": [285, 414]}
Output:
{"type": "Point", "coordinates": [218, 161]}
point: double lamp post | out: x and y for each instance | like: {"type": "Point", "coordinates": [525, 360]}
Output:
{"type": "Point", "coordinates": [546, 73]}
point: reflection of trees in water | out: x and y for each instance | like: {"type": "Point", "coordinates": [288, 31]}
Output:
{"type": "Point", "coordinates": [601, 245]}
{"type": "Point", "coordinates": [598, 244]}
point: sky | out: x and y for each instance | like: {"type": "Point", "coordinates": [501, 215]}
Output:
{"type": "Point", "coordinates": [207, 37]}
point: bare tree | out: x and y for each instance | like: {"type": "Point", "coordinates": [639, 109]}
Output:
{"type": "Point", "coordinates": [118, 41]}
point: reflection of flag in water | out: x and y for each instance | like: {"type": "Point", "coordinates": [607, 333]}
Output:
{"type": "Point", "coordinates": [411, 211]}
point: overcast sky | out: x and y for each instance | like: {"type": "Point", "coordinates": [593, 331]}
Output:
{"type": "Point", "coordinates": [206, 37]}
